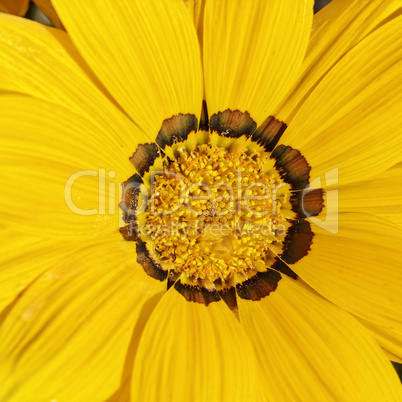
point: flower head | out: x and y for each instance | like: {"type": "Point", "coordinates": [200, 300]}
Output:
{"type": "Point", "coordinates": [253, 250]}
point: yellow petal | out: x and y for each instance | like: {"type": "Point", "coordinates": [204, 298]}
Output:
{"type": "Point", "coordinates": [122, 394]}
{"type": "Point", "coordinates": [17, 7]}
{"type": "Point", "coordinates": [336, 29]}
{"type": "Point", "coordinates": [381, 195]}
{"type": "Point", "coordinates": [388, 338]}
{"type": "Point", "coordinates": [358, 268]}
{"type": "Point", "coordinates": [19, 269]}
{"type": "Point", "coordinates": [60, 174]}
{"type": "Point", "coordinates": [42, 62]}
{"type": "Point", "coordinates": [146, 53]}
{"type": "Point", "coordinates": [310, 350]}
{"type": "Point", "coordinates": [252, 52]}
{"type": "Point", "coordinates": [352, 120]}
{"type": "Point", "coordinates": [393, 358]}
{"type": "Point", "coordinates": [190, 352]}
{"type": "Point", "coordinates": [196, 11]}
{"type": "Point", "coordinates": [47, 8]}
{"type": "Point", "coordinates": [68, 336]}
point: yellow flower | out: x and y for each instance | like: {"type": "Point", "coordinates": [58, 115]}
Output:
{"type": "Point", "coordinates": [81, 320]}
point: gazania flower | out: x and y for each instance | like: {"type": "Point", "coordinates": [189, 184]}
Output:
{"type": "Point", "coordinates": [306, 124]}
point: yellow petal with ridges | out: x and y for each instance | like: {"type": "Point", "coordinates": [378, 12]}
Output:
{"type": "Point", "coordinates": [358, 267]}
{"type": "Point", "coordinates": [381, 195]}
{"type": "Point", "coordinates": [252, 52]}
{"type": "Point", "coordinates": [146, 54]}
{"type": "Point", "coordinates": [68, 337]}
{"type": "Point", "coordinates": [310, 350]}
{"type": "Point", "coordinates": [337, 28]}
{"type": "Point", "coordinates": [42, 62]}
{"type": "Point", "coordinates": [19, 269]}
{"type": "Point", "coordinates": [190, 352]}
{"type": "Point", "coordinates": [196, 11]}
{"type": "Point", "coordinates": [352, 120]}
{"type": "Point", "coordinates": [60, 174]}
{"type": "Point", "coordinates": [388, 338]}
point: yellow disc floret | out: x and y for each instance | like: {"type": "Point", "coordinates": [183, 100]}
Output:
{"type": "Point", "coordinates": [213, 213]}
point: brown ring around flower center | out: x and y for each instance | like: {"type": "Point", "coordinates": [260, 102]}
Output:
{"type": "Point", "coordinates": [217, 213]}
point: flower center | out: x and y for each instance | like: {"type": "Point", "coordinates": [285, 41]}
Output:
{"type": "Point", "coordinates": [217, 208]}
{"type": "Point", "coordinates": [213, 213]}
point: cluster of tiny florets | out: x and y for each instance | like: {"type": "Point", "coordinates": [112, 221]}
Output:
{"type": "Point", "coordinates": [214, 213]}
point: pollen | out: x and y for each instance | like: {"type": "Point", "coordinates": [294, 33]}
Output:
{"type": "Point", "coordinates": [213, 212]}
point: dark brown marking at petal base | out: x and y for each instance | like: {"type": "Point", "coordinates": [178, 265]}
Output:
{"type": "Point", "coordinates": [269, 133]}
{"type": "Point", "coordinates": [151, 267]}
{"type": "Point", "coordinates": [228, 295]}
{"type": "Point", "coordinates": [129, 204]}
{"type": "Point", "coordinates": [176, 129]}
{"type": "Point", "coordinates": [204, 121]}
{"type": "Point", "coordinates": [280, 266]}
{"type": "Point", "coordinates": [308, 202]}
{"type": "Point", "coordinates": [196, 293]}
{"type": "Point", "coordinates": [232, 124]}
{"type": "Point", "coordinates": [292, 166]}
{"type": "Point", "coordinates": [297, 241]}
{"type": "Point", "coordinates": [131, 192]}
{"type": "Point", "coordinates": [130, 232]}
{"type": "Point", "coordinates": [144, 157]}
{"type": "Point", "coordinates": [259, 286]}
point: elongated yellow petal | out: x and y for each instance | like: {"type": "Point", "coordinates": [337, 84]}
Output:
{"type": "Point", "coordinates": [17, 7]}
{"type": "Point", "coordinates": [336, 29]}
{"type": "Point", "coordinates": [47, 8]}
{"type": "Point", "coordinates": [23, 258]}
{"type": "Point", "coordinates": [310, 350]}
{"type": "Point", "coordinates": [380, 195]}
{"type": "Point", "coordinates": [60, 173]}
{"type": "Point", "coordinates": [146, 53]}
{"type": "Point", "coordinates": [252, 52]}
{"type": "Point", "coordinates": [358, 268]}
{"type": "Point", "coordinates": [388, 338]}
{"type": "Point", "coordinates": [352, 120]}
{"type": "Point", "coordinates": [42, 62]}
{"type": "Point", "coordinates": [68, 336]}
{"type": "Point", "coordinates": [191, 352]}
{"type": "Point", "coordinates": [196, 11]}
